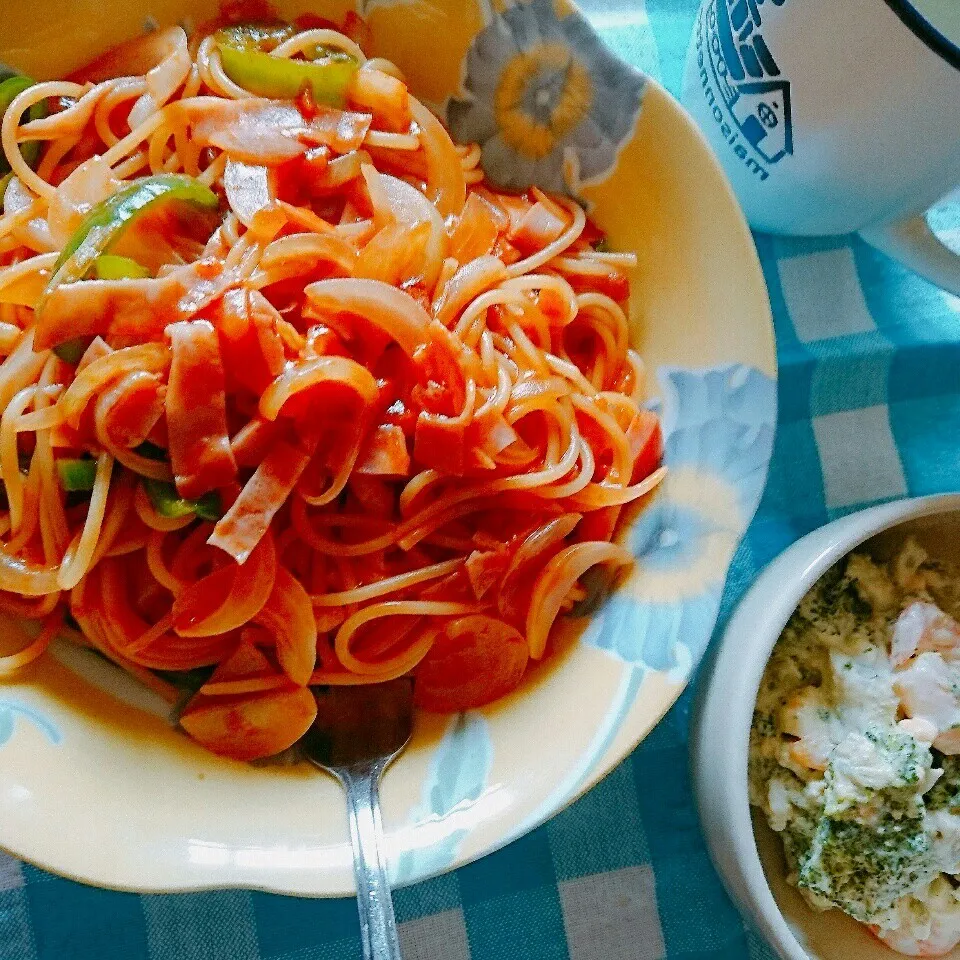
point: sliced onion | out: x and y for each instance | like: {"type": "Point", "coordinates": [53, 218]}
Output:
{"type": "Point", "coordinates": [249, 189]}
{"type": "Point", "coordinates": [444, 169]}
{"type": "Point", "coordinates": [126, 631]}
{"type": "Point", "coordinates": [247, 586]}
{"type": "Point", "coordinates": [288, 615]}
{"type": "Point", "coordinates": [147, 357]}
{"type": "Point", "coordinates": [395, 312]}
{"type": "Point", "coordinates": [17, 198]}
{"type": "Point", "coordinates": [382, 213]}
{"type": "Point", "coordinates": [467, 284]}
{"type": "Point", "coordinates": [163, 79]}
{"type": "Point", "coordinates": [300, 253]}
{"type": "Point", "coordinates": [90, 183]}
{"type": "Point", "coordinates": [23, 283]}
{"type": "Point", "coordinates": [410, 207]}
{"type": "Point", "coordinates": [67, 123]}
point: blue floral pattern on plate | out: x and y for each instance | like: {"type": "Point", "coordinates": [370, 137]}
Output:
{"type": "Point", "coordinates": [459, 770]}
{"type": "Point", "coordinates": [548, 103]}
{"type": "Point", "coordinates": [719, 426]}
{"type": "Point", "coordinates": [10, 710]}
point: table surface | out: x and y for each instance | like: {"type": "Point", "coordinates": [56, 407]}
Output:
{"type": "Point", "coordinates": [869, 411]}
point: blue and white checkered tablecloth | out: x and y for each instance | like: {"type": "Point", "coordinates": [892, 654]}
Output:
{"type": "Point", "coordinates": [869, 411]}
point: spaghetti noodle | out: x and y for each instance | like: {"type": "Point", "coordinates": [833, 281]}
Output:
{"type": "Point", "coordinates": [291, 395]}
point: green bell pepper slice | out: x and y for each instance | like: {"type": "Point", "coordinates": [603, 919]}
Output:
{"type": "Point", "coordinates": [106, 222]}
{"type": "Point", "coordinates": [109, 266]}
{"type": "Point", "coordinates": [10, 88]}
{"type": "Point", "coordinates": [70, 351]}
{"type": "Point", "coordinates": [260, 35]}
{"type": "Point", "coordinates": [168, 503]}
{"type": "Point", "coordinates": [248, 66]}
{"type": "Point", "coordinates": [266, 36]}
{"type": "Point", "coordinates": [76, 475]}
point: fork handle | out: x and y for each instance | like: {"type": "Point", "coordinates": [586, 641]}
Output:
{"type": "Point", "coordinates": [378, 926]}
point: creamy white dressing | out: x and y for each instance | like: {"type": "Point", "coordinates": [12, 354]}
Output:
{"type": "Point", "coordinates": [855, 748]}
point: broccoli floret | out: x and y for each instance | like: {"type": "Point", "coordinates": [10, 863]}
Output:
{"type": "Point", "coordinates": [909, 757]}
{"type": "Point", "coordinates": [798, 838]}
{"type": "Point", "coordinates": [864, 869]}
{"type": "Point", "coordinates": [836, 612]}
{"type": "Point", "coordinates": [764, 724]}
{"type": "Point", "coordinates": [836, 594]}
{"type": "Point", "coordinates": [945, 793]}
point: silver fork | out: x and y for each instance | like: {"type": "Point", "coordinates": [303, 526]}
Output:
{"type": "Point", "coordinates": [358, 733]}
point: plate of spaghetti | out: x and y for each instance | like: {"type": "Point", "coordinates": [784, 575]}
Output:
{"type": "Point", "coordinates": [328, 359]}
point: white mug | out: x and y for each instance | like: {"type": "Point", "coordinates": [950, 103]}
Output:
{"type": "Point", "coordinates": [832, 116]}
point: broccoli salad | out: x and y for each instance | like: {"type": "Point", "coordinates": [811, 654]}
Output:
{"type": "Point", "coordinates": [855, 747]}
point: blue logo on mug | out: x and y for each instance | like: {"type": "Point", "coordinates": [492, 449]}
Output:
{"type": "Point", "coordinates": [742, 83]}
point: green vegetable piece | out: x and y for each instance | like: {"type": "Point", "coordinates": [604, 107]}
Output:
{"type": "Point", "coordinates": [208, 507]}
{"type": "Point", "coordinates": [864, 868]}
{"type": "Point", "coordinates": [151, 451]}
{"type": "Point", "coordinates": [269, 76]}
{"type": "Point", "coordinates": [106, 222]}
{"type": "Point", "coordinates": [945, 794]}
{"type": "Point", "coordinates": [168, 503]}
{"type": "Point", "coordinates": [76, 474]}
{"type": "Point", "coordinates": [70, 351]}
{"type": "Point", "coordinates": [265, 36]}
{"type": "Point", "coordinates": [257, 35]}
{"type": "Point", "coordinates": [109, 266]}
{"type": "Point", "coordinates": [602, 245]}
{"type": "Point", "coordinates": [10, 88]}
{"type": "Point", "coordinates": [326, 51]}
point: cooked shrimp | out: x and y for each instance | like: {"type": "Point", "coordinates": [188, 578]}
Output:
{"type": "Point", "coordinates": [926, 689]}
{"type": "Point", "coordinates": [944, 936]}
{"type": "Point", "coordinates": [807, 717]}
{"type": "Point", "coordinates": [920, 627]}
{"type": "Point", "coordinates": [920, 729]}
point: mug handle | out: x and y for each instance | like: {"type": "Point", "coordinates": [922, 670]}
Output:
{"type": "Point", "coordinates": [916, 246]}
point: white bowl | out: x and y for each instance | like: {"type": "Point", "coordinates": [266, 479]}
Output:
{"type": "Point", "coordinates": [745, 851]}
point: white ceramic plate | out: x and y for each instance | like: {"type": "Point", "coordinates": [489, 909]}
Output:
{"type": "Point", "coordinates": [159, 813]}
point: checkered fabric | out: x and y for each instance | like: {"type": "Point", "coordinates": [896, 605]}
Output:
{"type": "Point", "coordinates": [869, 411]}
